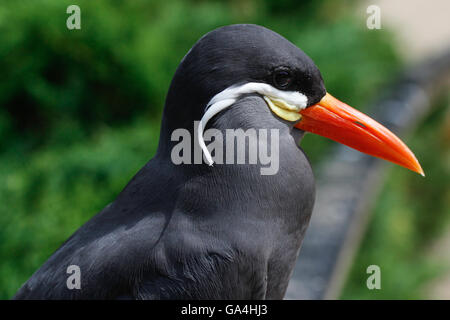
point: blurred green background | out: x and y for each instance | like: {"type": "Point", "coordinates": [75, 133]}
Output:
{"type": "Point", "coordinates": [80, 114]}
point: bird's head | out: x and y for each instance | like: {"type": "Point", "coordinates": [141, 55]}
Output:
{"type": "Point", "coordinates": [235, 61]}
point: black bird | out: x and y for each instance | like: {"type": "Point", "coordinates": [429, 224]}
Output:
{"type": "Point", "coordinates": [226, 231]}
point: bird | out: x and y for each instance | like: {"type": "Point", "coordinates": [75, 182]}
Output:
{"type": "Point", "coordinates": [217, 230]}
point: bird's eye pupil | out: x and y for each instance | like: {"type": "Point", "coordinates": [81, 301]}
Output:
{"type": "Point", "coordinates": [282, 79]}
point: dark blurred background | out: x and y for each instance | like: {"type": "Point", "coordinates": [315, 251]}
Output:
{"type": "Point", "coordinates": [80, 112]}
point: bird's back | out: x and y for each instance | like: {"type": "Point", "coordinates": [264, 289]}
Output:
{"type": "Point", "coordinates": [151, 243]}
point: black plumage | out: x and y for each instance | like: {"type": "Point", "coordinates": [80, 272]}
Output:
{"type": "Point", "coordinates": [196, 231]}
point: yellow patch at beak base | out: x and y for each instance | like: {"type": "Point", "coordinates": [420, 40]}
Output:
{"type": "Point", "coordinates": [283, 109]}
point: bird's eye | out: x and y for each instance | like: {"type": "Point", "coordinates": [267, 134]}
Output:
{"type": "Point", "coordinates": [282, 79]}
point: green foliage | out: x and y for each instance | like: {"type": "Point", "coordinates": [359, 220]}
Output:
{"type": "Point", "coordinates": [80, 109]}
{"type": "Point", "coordinates": [411, 212]}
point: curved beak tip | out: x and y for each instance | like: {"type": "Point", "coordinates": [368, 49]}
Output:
{"type": "Point", "coordinates": [420, 171]}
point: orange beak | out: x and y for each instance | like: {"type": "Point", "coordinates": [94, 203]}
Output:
{"type": "Point", "coordinates": [336, 120]}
